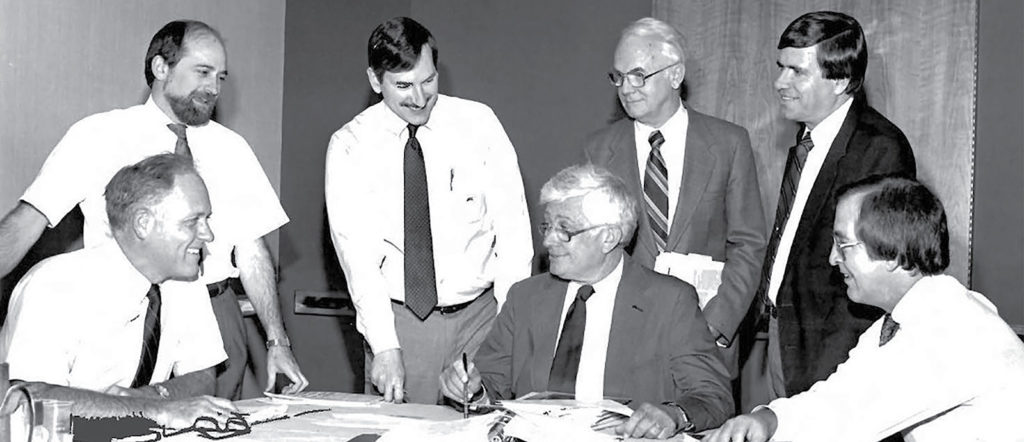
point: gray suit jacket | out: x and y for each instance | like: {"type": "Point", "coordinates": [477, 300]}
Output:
{"type": "Point", "coordinates": [718, 212]}
{"type": "Point", "coordinates": [659, 347]}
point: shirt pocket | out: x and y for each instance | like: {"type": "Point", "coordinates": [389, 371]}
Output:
{"type": "Point", "coordinates": [469, 207]}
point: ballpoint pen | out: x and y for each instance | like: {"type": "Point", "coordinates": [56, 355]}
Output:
{"type": "Point", "coordinates": [465, 387]}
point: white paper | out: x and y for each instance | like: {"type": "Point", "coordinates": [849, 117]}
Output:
{"type": "Point", "coordinates": [702, 272]}
{"type": "Point", "coordinates": [328, 399]}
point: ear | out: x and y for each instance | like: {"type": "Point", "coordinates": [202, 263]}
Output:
{"type": "Point", "coordinates": [839, 86]}
{"type": "Point", "coordinates": [892, 266]}
{"type": "Point", "coordinates": [677, 76]}
{"type": "Point", "coordinates": [610, 238]}
{"type": "Point", "coordinates": [143, 223]}
{"type": "Point", "coordinates": [374, 81]}
{"type": "Point", "coordinates": [160, 68]}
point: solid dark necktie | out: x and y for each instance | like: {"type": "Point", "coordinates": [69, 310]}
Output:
{"type": "Point", "coordinates": [420, 287]}
{"type": "Point", "coordinates": [181, 146]}
{"type": "Point", "coordinates": [150, 339]}
{"type": "Point", "coordinates": [656, 190]}
{"type": "Point", "coordinates": [889, 329]}
{"type": "Point", "coordinates": [787, 194]}
{"type": "Point", "coordinates": [570, 344]}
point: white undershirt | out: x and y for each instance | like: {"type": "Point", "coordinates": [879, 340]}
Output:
{"type": "Point", "coordinates": [590, 376]}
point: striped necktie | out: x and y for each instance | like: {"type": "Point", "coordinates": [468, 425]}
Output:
{"type": "Point", "coordinates": [656, 191]}
{"type": "Point", "coordinates": [787, 194]}
{"type": "Point", "coordinates": [150, 339]}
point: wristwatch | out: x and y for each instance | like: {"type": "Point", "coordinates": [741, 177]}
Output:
{"type": "Point", "coordinates": [280, 342]}
{"type": "Point", "coordinates": [161, 390]}
{"type": "Point", "coordinates": [684, 423]}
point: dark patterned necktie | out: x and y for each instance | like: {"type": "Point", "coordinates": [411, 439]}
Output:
{"type": "Point", "coordinates": [656, 190]}
{"type": "Point", "coordinates": [181, 146]}
{"type": "Point", "coordinates": [150, 339]}
{"type": "Point", "coordinates": [889, 329]}
{"type": "Point", "coordinates": [570, 344]}
{"type": "Point", "coordinates": [787, 194]}
{"type": "Point", "coordinates": [420, 287]}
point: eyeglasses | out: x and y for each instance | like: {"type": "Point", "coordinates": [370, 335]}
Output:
{"type": "Point", "coordinates": [841, 247]}
{"type": "Point", "coordinates": [635, 77]}
{"type": "Point", "coordinates": [562, 234]}
{"type": "Point", "coordinates": [207, 427]}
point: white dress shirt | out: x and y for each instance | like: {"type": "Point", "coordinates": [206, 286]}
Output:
{"type": "Point", "coordinates": [822, 136]}
{"type": "Point", "coordinates": [954, 371]}
{"type": "Point", "coordinates": [673, 151]}
{"type": "Point", "coordinates": [600, 306]}
{"type": "Point", "coordinates": [77, 320]}
{"type": "Point", "coordinates": [478, 217]}
{"type": "Point", "coordinates": [245, 207]}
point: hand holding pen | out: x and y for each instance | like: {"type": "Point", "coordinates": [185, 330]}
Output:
{"type": "Point", "coordinates": [460, 381]}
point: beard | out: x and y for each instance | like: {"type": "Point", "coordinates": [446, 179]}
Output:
{"type": "Point", "coordinates": [190, 109]}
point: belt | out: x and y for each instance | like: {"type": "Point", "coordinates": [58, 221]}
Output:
{"type": "Point", "coordinates": [445, 310]}
{"type": "Point", "coordinates": [216, 288]}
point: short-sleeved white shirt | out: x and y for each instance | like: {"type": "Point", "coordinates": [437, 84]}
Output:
{"type": "Point", "coordinates": [77, 320]}
{"type": "Point", "coordinates": [245, 206]}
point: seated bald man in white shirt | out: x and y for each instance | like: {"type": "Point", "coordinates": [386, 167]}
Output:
{"type": "Point", "coordinates": [106, 327]}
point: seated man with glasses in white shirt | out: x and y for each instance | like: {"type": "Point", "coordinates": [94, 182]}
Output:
{"type": "Point", "coordinates": [941, 365]}
{"type": "Point", "coordinates": [599, 324]}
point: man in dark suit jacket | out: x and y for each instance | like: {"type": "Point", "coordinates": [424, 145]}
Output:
{"type": "Point", "coordinates": [645, 338]}
{"type": "Point", "coordinates": [813, 325]}
{"type": "Point", "coordinates": [711, 179]}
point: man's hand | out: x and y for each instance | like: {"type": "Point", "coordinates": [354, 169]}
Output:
{"type": "Point", "coordinates": [388, 374]}
{"type": "Point", "coordinates": [758, 426]}
{"type": "Point", "coordinates": [281, 360]}
{"type": "Point", "coordinates": [649, 421]}
{"type": "Point", "coordinates": [454, 377]}
{"type": "Point", "coordinates": [183, 413]}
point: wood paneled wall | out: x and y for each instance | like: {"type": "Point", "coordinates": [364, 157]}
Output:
{"type": "Point", "coordinates": [921, 75]}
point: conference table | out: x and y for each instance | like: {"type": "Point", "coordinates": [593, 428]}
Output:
{"type": "Point", "coordinates": [358, 418]}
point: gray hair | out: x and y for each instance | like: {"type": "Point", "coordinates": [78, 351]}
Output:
{"type": "Point", "coordinates": [672, 40]}
{"type": "Point", "coordinates": [143, 185]}
{"type": "Point", "coordinates": [608, 200]}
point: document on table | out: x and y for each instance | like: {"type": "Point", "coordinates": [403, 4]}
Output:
{"type": "Point", "coordinates": [702, 272]}
{"type": "Point", "coordinates": [327, 399]}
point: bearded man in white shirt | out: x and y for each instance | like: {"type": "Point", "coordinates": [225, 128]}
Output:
{"type": "Point", "coordinates": [185, 66]}
{"type": "Point", "coordinates": [428, 217]}
{"type": "Point", "coordinates": [98, 326]}
{"type": "Point", "coordinates": [940, 365]}
{"type": "Point", "coordinates": [600, 324]}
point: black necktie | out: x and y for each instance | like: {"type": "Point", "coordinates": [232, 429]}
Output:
{"type": "Point", "coordinates": [570, 344]}
{"type": "Point", "coordinates": [656, 190]}
{"type": "Point", "coordinates": [150, 339]}
{"type": "Point", "coordinates": [889, 329]}
{"type": "Point", "coordinates": [420, 288]}
{"type": "Point", "coordinates": [787, 194]}
{"type": "Point", "coordinates": [181, 146]}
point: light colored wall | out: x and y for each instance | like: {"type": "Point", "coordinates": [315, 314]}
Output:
{"type": "Point", "coordinates": [62, 60]}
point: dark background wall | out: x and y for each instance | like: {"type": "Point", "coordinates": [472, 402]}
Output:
{"type": "Point", "coordinates": [540, 65]}
{"type": "Point", "coordinates": [998, 258]}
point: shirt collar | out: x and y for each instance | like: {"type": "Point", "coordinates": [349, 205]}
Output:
{"type": "Point", "coordinates": [395, 125]}
{"type": "Point", "coordinates": [827, 130]}
{"type": "Point", "coordinates": [608, 284]}
{"type": "Point", "coordinates": [674, 124]}
{"type": "Point", "coordinates": [124, 269]}
{"type": "Point", "coordinates": [155, 112]}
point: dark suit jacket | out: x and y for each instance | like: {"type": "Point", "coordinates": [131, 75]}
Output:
{"type": "Point", "coordinates": [818, 324]}
{"type": "Point", "coordinates": [659, 347]}
{"type": "Point", "coordinates": [718, 212]}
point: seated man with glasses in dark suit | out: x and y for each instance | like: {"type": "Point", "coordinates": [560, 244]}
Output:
{"type": "Point", "coordinates": [106, 327]}
{"type": "Point", "coordinates": [599, 324]}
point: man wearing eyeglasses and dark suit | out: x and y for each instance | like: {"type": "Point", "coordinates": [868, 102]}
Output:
{"type": "Point", "coordinates": [693, 174]}
{"type": "Point", "coordinates": [599, 324]}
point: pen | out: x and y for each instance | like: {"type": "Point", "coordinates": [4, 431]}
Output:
{"type": "Point", "coordinates": [465, 387]}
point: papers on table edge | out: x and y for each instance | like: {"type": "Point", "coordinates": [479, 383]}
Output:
{"type": "Point", "coordinates": [702, 272]}
{"type": "Point", "coordinates": [327, 399]}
